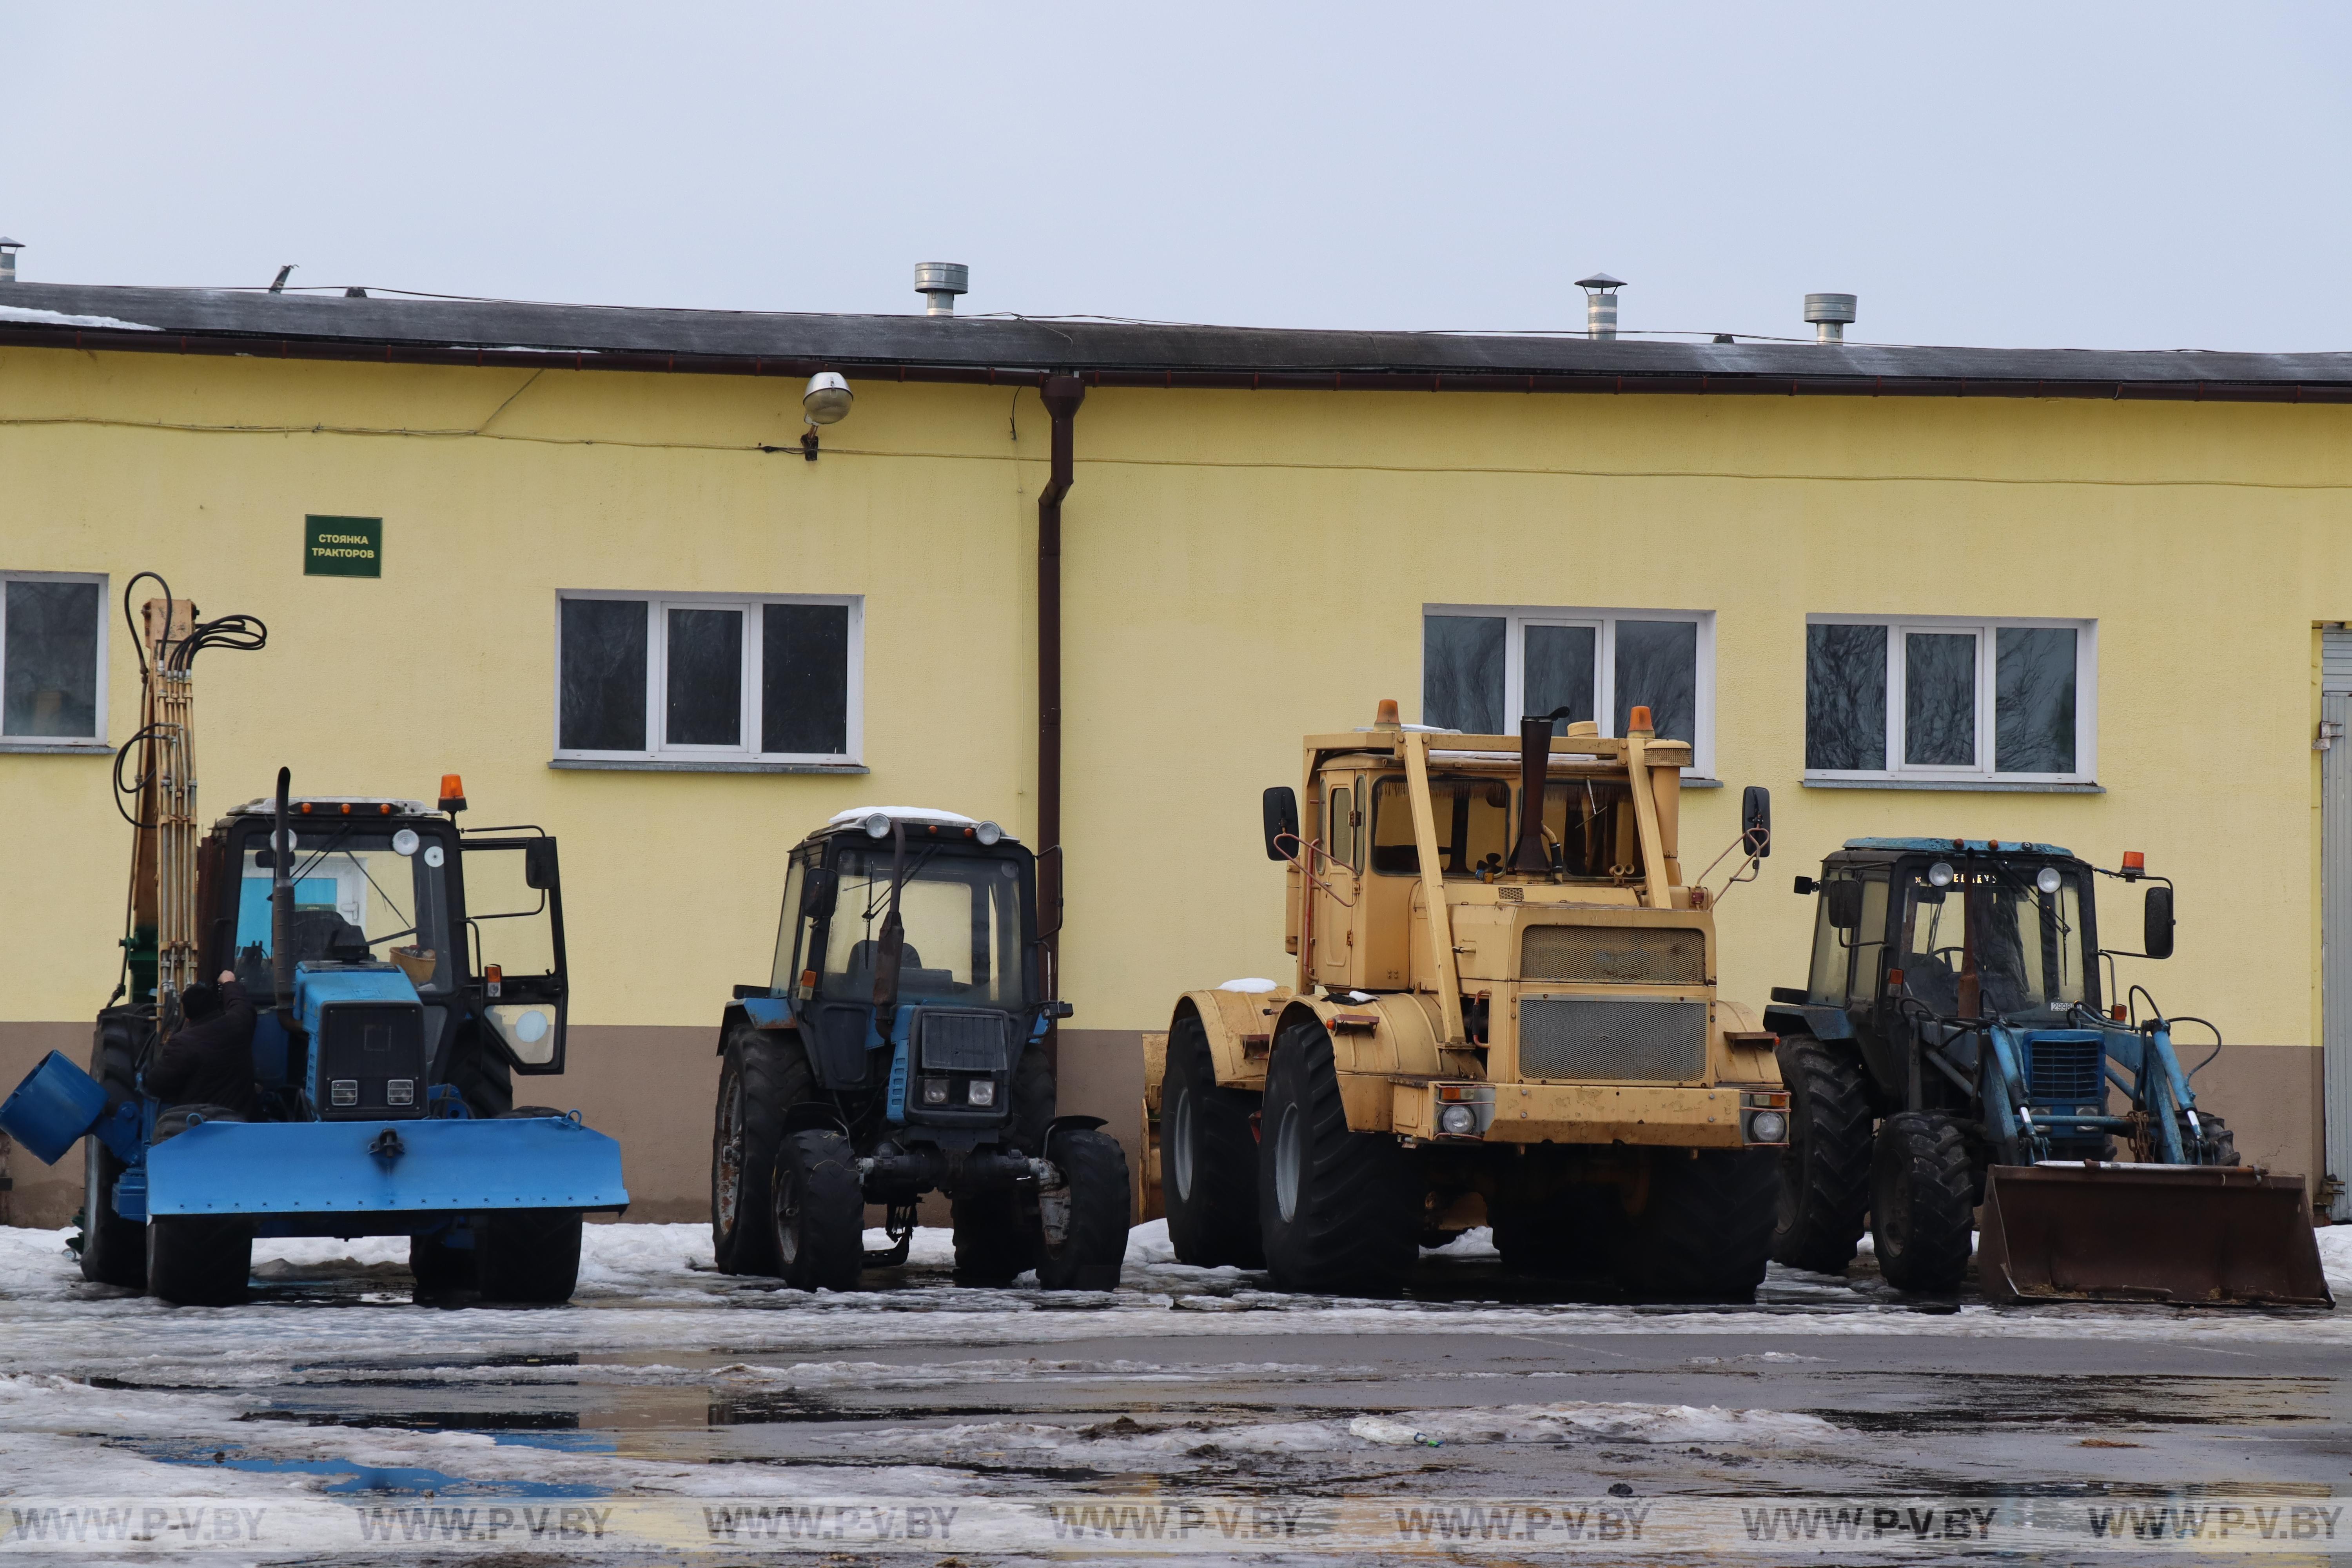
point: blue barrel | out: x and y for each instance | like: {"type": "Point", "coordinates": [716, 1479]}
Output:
{"type": "Point", "coordinates": [57, 1103]}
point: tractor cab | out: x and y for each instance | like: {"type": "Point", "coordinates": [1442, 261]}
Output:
{"type": "Point", "coordinates": [909, 956]}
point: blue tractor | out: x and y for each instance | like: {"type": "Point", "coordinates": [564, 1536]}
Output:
{"type": "Point", "coordinates": [900, 1047]}
{"type": "Point", "coordinates": [402, 973]}
{"type": "Point", "coordinates": [1955, 1050]}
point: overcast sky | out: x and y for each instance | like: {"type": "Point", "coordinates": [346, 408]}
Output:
{"type": "Point", "coordinates": [2141, 175]}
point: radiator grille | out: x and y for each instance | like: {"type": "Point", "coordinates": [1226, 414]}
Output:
{"type": "Point", "coordinates": [2065, 1072]}
{"type": "Point", "coordinates": [961, 1041]}
{"type": "Point", "coordinates": [1614, 955]}
{"type": "Point", "coordinates": [1609, 1038]}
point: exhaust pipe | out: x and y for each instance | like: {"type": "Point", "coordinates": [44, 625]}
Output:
{"type": "Point", "coordinates": [1535, 769]}
{"type": "Point", "coordinates": [281, 906]}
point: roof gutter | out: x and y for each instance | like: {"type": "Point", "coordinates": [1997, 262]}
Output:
{"type": "Point", "coordinates": [1361, 378]}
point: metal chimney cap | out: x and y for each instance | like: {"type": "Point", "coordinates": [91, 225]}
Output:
{"type": "Point", "coordinates": [943, 278]}
{"type": "Point", "coordinates": [1600, 280]}
{"type": "Point", "coordinates": [1837, 308]}
{"type": "Point", "coordinates": [7, 243]}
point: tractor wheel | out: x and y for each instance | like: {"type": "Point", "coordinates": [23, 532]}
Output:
{"type": "Point", "coordinates": [1826, 1169]}
{"type": "Point", "coordinates": [527, 1256]}
{"type": "Point", "coordinates": [1082, 1225]}
{"type": "Point", "coordinates": [762, 1077]}
{"type": "Point", "coordinates": [439, 1268]}
{"type": "Point", "coordinates": [1340, 1212]}
{"type": "Point", "coordinates": [995, 1236]}
{"type": "Point", "coordinates": [114, 1249]}
{"type": "Point", "coordinates": [1920, 1214]}
{"type": "Point", "coordinates": [1704, 1228]}
{"type": "Point", "coordinates": [818, 1212]}
{"type": "Point", "coordinates": [2220, 1143]}
{"type": "Point", "coordinates": [199, 1260]}
{"type": "Point", "coordinates": [1208, 1160]}
{"type": "Point", "coordinates": [479, 1073]}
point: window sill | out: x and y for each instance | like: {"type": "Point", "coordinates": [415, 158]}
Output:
{"type": "Point", "coordinates": [26, 743]}
{"type": "Point", "coordinates": [2004, 786]}
{"type": "Point", "coordinates": [669, 765]}
{"type": "Point", "coordinates": [1689, 783]}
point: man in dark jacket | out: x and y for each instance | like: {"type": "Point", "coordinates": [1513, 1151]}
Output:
{"type": "Point", "coordinates": [210, 1060]}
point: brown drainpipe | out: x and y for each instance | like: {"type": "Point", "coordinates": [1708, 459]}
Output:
{"type": "Point", "coordinates": [1061, 394]}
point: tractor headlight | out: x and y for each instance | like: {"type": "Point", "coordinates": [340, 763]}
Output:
{"type": "Point", "coordinates": [983, 1092]}
{"type": "Point", "coordinates": [935, 1091]}
{"type": "Point", "coordinates": [1460, 1121]}
{"type": "Point", "coordinates": [876, 824]}
{"type": "Point", "coordinates": [988, 833]}
{"type": "Point", "coordinates": [1767, 1126]}
{"type": "Point", "coordinates": [2048, 880]}
{"type": "Point", "coordinates": [1940, 875]}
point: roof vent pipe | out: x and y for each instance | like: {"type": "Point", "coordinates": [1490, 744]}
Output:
{"type": "Point", "coordinates": [1830, 314]}
{"type": "Point", "coordinates": [1601, 304]}
{"type": "Point", "coordinates": [939, 282]}
{"type": "Point", "coordinates": [9, 249]}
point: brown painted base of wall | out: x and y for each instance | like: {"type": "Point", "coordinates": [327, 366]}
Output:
{"type": "Point", "coordinates": [652, 1087]}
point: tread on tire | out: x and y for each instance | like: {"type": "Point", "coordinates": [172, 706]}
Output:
{"type": "Point", "coordinates": [1705, 1229]}
{"type": "Point", "coordinates": [760, 1079]}
{"type": "Point", "coordinates": [199, 1260]}
{"type": "Point", "coordinates": [528, 1256]}
{"type": "Point", "coordinates": [1824, 1172]}
{"type": "Point", "coordinates": [1094, 1242]}
{"type": "Point", "coordinates": [1208, 1160]}
{"type": "Point", "coordinates": [1355, 1198]}
{"type": "Point", "coordinates": [1920, 1212]}
{"type": "Point", "coordinates": [818, 1212]}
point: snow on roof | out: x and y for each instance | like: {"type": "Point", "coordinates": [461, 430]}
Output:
{"type": "Point", "coordinates": [904, 813]}
{"type": "Point", "coordinates": [62, 318]}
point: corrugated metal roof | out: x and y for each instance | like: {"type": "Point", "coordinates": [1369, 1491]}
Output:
{"type": "Point", "coordinates": [1110, 353]}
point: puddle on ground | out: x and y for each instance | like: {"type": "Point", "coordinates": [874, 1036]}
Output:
{"type": "Point", "coordinates": [349, 1476]}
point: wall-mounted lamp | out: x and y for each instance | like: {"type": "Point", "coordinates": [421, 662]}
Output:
{"type": "Point", "coordinates": [826, 402]}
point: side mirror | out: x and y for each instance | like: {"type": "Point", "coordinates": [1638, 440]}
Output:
{"type": "Point", "coordinates": [539, 864]}
{"type": "Point", "coordinates": [1755, 821]}
{"type": "Point", "coordinates": [2155, 917]}
{"type": "Point", "coordinates": [1805, 886]}
{"type": "Point", "coordinates": [1049, 893]}
{"type": "Point", "coordinates": [1846, 903]}
{"type": "Point", "coordinates": [1281, 811]}
{"type": "Point", "coordinates": [817, 898]}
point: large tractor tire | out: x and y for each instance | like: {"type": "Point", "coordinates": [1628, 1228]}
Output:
{"type": "Point", "coordinates": [1082, 1227]}
{"type": "Point", "coordinates": [1921, 1211]}
{"type": "Point", "coordinates": [818, 1212]}
{"type": "Point", "coordinates": [479, 1072]}
{"type": "Point", "coordinates": [1208, 1160]}
{"type": "Point", "coordinates": [762, 1075]}
{"type": "Point", "coordinates": [1824, 1187]}
{"type": "Point", "coordinates": [114, 1249]}
{"type": "Point", "coordinates": [527, 1256]}
{"type": "Point", "coordinates": [2220, 1143]}
{"type": "Point", "coordinates": [439, 1268]}
{"type": "Point", "coordinates": [1032, 1100]}
{"type": "Point", "coordinates": [1339, 1212]}
{"type": "Point", "coordinates": [199, 1260]}
{"type": "Point", "coordinates": [1702, 1229]}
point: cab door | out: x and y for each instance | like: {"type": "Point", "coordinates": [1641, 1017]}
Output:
{"type": "Point", "coordinates": [1339, 832]}
{"type": "Point", "coordinates": [512, 895]}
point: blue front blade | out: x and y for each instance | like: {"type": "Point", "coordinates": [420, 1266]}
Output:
{"type": "Point", "coordinates": [327, 1167]}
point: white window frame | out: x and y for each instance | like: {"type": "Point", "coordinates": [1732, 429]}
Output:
{"type": "Point", "coordinates": [1517, 618]}
{"type": "Point", "coordinates": [94, 742]}
{"type": "Point", "coordinates": [1986, 630]}
{"type": "Point", "coordinates": [658, 606]}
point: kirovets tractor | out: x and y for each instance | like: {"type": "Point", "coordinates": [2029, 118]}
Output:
{"type": "Point", "coordinates": [899, 1046]}
{"type": "Point", "coordinates": [1954, 1047]}
{"type": "Point", "coordinates": [404, 973]}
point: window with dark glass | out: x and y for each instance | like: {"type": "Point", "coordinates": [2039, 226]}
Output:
{"type": "Point", "coordinates": [1945, 699]}
{"type": "Point", "coordinates": [1482, 670]}
{"type": "Point", "coordinates": [700, 678]}
{"type": "Point", "coordinates": [50, 641]}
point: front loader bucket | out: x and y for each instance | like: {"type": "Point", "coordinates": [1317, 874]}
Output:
{"type": "Point", "coordinates": [2187, 1235]}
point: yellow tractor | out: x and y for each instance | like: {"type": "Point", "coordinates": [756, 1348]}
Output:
{"type": "Point", "coordinates": [1503, 1012]}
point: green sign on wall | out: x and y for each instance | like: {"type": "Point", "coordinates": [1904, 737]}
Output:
{"type": "Point", "coordinates": [343, 547]}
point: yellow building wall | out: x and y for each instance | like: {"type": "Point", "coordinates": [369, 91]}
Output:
{"type": "Point", "coordinates": [1240, 568]}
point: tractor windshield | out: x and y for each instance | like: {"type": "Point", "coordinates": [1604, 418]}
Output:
{"type": "Point", "coordinates": [962, 917]}
{"type": "Point", "coordinates": [357, 893]}
{"type": "Point", "coordinates": [1992, 943]}
{"type": "Point", "coordinates": [1588, 826]}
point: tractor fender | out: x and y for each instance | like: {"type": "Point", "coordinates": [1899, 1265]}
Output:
{"type": "Point", "coordinates": [1061, 1124]}
{"type": "Point", "coordinates": [756, 1013]}
{"type": "Point", "coordinates": [1822, 1023]}
{"type": "Point", "coordinates": [1241, 1027]}
{"type": "Point", "coordinates": [1370, 1039]}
